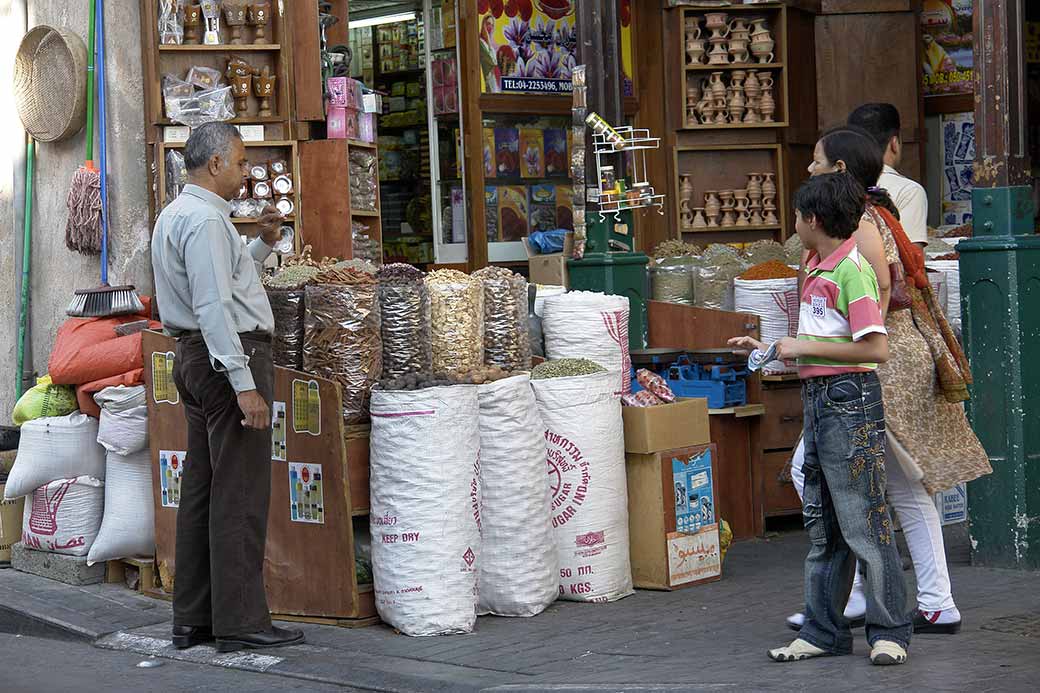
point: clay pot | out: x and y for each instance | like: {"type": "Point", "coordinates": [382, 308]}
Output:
{"type": "Point", "coordinates": [685, 215]}
{"type": "Point", "coordinates": [706, 109]}
{"type": "Point", "coordinates": [755, 217]}
{"type": "Point", "coordinates": [721, 112]}
{"type": "Point", "coordinates": [716, 21]}
{"type": "Point", "coordinates": [752, 87]}
{"type": "Point", "coordinates": [738, 50]}
{"type": "Point", "coordinates": [719, 53]}
{"type": "Point", "coordinates": [718, 87]}
{"type": "Point", "coordinates": [768, 186]}
{"type": "Point", "coordinates": [695, 51]}
{"type": "Point", "coordinates": [758, 27]}
{"type": "Point", "coordinates": [712, 207]}
{"type": "Point", "coordinates": [699, 222]}
{"type": "Point", "coordinates": [767, 106]}
{"type": "Point", "coordinates": [726, 198]}
{"type": "Point", "coordinates": [736, 104]}
{"type": "Point", "coordinates": [693, 28]}
{"type": "Point", "coordinates": [762, 49]}
{"type": "Point", "coordinates": [686, 188]}
{"type": "Point", "coordinates": [754, 186]}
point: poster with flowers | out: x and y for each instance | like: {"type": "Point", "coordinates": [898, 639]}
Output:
{"type": "Point", "coordinates": [530, 46]}
{"type": "Point", "coordinates": [947, 47]}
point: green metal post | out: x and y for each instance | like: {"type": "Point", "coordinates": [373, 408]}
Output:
{"type": "Point", "coordinates": [1000, 294]}
{"type": "Point", "coordinates": [23, 306]}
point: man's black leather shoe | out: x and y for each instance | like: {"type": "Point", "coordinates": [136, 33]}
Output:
{"type": "Point", "coordinates": [276, 637]}
{"type": "Point", "coordinates": [190, 636]}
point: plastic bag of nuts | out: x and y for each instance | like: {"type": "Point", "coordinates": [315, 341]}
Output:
{"type": "Point", "coordinates": [404, 305]}
{"type": "Point", "coordinates": [342, 336]}
{"type": "Point", "coordinates": [507, 341]}
{"type": "Point", "coordinates": [456, 320]}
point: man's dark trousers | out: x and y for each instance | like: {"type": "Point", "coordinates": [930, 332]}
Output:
{"type": "Point", "coordinates": [225, 494]}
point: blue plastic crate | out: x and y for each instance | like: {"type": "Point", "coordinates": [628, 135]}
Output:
{"type": "Point", "coordinates": [721, 384]}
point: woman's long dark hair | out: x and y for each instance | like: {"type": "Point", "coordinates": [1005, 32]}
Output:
{"type": "Point", "coordinates": [862, 159]}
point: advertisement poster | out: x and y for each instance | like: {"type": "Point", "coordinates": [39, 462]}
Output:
{"type": "Point", "coordinates": [958, 166]}
{"type": "Point", "coordinates": [278, 431]}
{"type": "Point", "coordinates": [530, 46]}
{"type": "Point", "coordinates": [694, 496]}
{"type": "Point", "coordinates": [171, 468]}
{"type": "Point", "coordinates": [306, 407]}
{"type": "Point", "coordinates": [163, 388]}
{"type": "Point", "coordinates": [947, 48]}
{"type": "Point", "coordinates": [693, 557]}
{"type": "Point", "coordinates": [306, 496]}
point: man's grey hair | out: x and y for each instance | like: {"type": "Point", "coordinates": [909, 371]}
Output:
{"type": "Point", "coordinates": [208, 140]}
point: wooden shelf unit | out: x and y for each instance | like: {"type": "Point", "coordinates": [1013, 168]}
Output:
{"type": "Point", "coordinates": [725, 167]}
{"type": "Point", "coordinates": [199, 48]}
{"type": "Point", "coordinates": [776, 16]}
{"type": "Point", "coordinates": [257, 152]}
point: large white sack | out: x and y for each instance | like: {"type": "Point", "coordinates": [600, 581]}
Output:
{"type": "Point", "coordinates": [425, 508]}
{"type": "Point", "coordinates": [585, 454]}
{"type": "Point", "coordinates": [951, 269]}
{"type": "Point", "coordinates": [775, 302]}
{"type": "Point", "coordinates": [590, 325]}
{"type": "Point", "coordinates": [128, 523]}
{"type": "Point", "coordinates": [64, 516]}
{"type": "Point", "coordinates": [57, 447]}
{"type": "Point", "coordinates": [519, 564]}
{"type": "Point", "coordinates": [123, 428]}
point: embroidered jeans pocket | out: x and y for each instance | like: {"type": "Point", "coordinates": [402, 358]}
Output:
{"type": "Point", "coordinates": [812, 506]}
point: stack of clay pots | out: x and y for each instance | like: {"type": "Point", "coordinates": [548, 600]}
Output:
{"type": "Point", "coordinates": [748, 98]}
{"type": "Point", "coordinates": [753, 206]}
{"type": "Point", "coordinates": [731, 42]}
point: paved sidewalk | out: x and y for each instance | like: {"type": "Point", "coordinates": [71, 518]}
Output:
{"type": "Point", "coordinates": [704, 638]}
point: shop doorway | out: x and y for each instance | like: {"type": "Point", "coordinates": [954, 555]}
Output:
{"type": "Point", "coordinates": [408, 52]}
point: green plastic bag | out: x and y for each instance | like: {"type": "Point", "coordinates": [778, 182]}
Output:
{"type": "Point", "coordinates": [45, 399]}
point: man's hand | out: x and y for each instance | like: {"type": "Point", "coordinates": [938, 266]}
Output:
{"type": "Point", "coordinates": [270, 223]}
{"type": "Point", "coordinates": [253, 406]}
{"type": "Point", "coordinates": [747, 343]}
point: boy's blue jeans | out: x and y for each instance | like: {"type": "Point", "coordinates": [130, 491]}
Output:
{"type": "Point", "coordinates": [846, 515]}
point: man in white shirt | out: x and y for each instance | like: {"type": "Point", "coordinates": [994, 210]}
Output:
{"type": "Point", "coordinates": [881, 120]}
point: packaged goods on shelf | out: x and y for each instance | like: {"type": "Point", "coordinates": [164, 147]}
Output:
{"type": "Point", "coordinates": [586, 461]}
{"type": "Point", "coordinates": [425, 508]}
{"type": "Point", "coordinates": [519, 562]}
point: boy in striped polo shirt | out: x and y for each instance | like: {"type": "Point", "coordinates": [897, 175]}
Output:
{"type": "Point", "coordinates": [841, 339]}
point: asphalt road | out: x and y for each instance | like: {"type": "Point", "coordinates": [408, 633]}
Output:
{"type": "Point", "coordinates": [34, 665]}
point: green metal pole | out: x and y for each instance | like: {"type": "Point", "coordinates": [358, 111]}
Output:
{"type": "Point", "coordinates": [23, 316]}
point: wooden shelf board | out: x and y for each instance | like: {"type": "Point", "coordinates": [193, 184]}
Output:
{"type": "Point", "coordinates": [359, 512]}
{"type": "Point", "coordinates": [264, 143]}
{"type": "Point", "coordinates": [726, 229]}
{"type": "Point", "coordinates": [781, 378]}
{"type": "Point", "coordinates": [734, 66]}
{"type": "Point", "coordinates": [243, 120]}
{"type": "Point", "coordinates": [733, 126]}
{"type": "Point", "coordinates": [223, 47]}
{"type": "Point", "coordinates": [363, 213]}
{"type": "Point", "coordinates": [254, 220]}
{"type": "Point", "coordinates": [742, 411]}
{"type": "Point", "coordinates": [369, 587]}
{"type": "Point", "coordinates": [359, 143]}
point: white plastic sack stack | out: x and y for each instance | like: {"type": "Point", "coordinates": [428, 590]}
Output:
{"type": "Point", "coordinates": [128, 524]}
{"type": "Point", "coordinates": [589, 325]}
{"type": "Point", "coordinates": [58, 447]}
{"type": "Point", "coordinates": [425, 508]}
{"type": "Point", "coordinates": [64, 516]}
{"type": "Point", "coordinates": [585, 455]}
{"type": "Point", "coordinates": [519, 564]}
{"type": "Point", "coordinates": [123, 428]}
{"type": "Point", "coordinates": [775, 302]}
{"type": "Point", "coordinates": [951, 269]}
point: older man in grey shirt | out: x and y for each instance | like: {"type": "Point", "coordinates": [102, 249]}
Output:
{"type": "Point", "coordinates": [210, 298]}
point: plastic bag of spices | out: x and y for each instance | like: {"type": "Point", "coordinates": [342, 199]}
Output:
{"type": "Point", "coordinates": [287, 306]}
{"type": "Point", "coordinates": [404, 304]}
{"type": "Point", "coordinates": [507, 341]}
{"type": "Point", "coordinates": [456, 321]}
{"type": "Point", "coordinates": [671, 281]}
{"type": "Point", "coordinates": [342, 339]}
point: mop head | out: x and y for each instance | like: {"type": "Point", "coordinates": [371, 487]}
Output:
{"type": "Point", "coordinates": [105, 302]}
{"type": "Point", "coordinates": [83, 230]}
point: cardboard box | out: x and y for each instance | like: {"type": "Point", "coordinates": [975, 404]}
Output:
{"type": "Point", "coordinates": [666, 426]}
{"type": "Point", "coordinates": [673, 528]}
{"type": "Point", "coordinates": [952, 505]}
{"type": "Point", "coordinates": [550, 269]}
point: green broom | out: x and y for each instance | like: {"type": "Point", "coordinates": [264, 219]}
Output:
{"type": "Point", "coordinates": [83, 229]}
{"type": "Point", "coordinates": [105, 300]}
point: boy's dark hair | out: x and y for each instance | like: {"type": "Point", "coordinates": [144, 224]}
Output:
{"type": "Point", "coordinates": [862, 159]}
{"type": "Point", "coordinates": [835, 200]}
{"type": "Point", "coordinates": [880, 120]}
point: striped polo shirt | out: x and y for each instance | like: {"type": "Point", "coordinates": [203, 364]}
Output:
{"type": "Point", "coordinates": [840, 303]}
